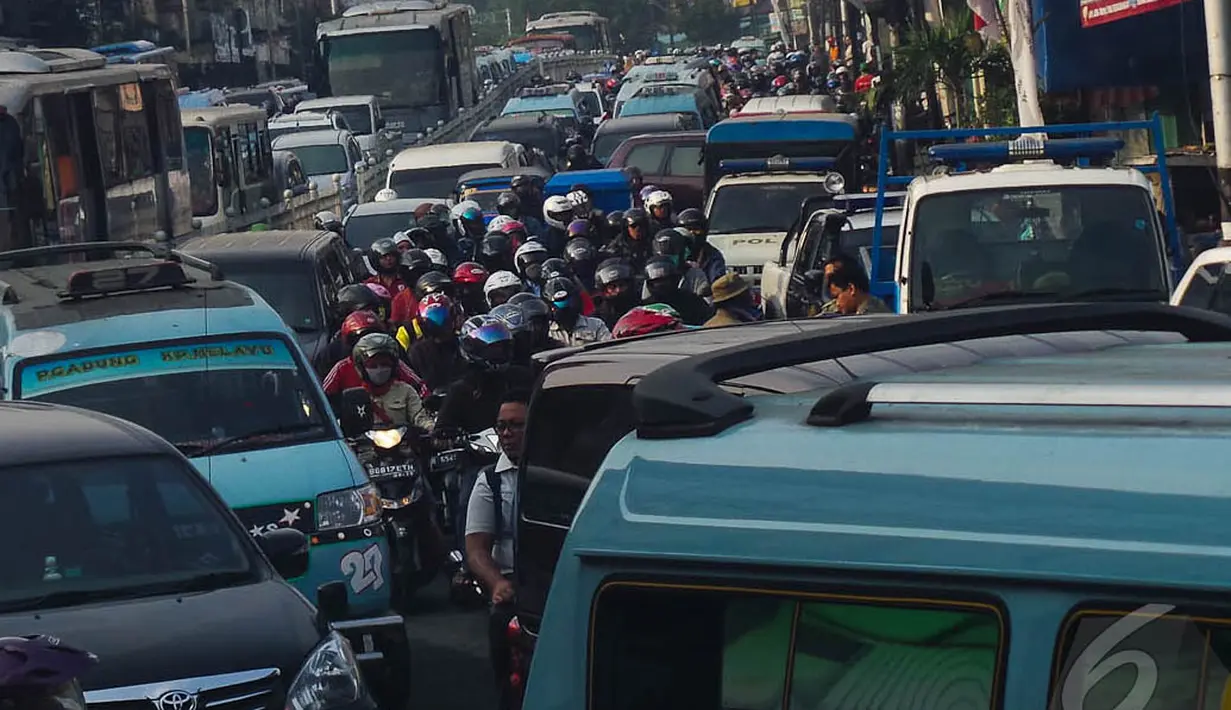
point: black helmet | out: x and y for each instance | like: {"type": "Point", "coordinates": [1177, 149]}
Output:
{"type": "Point", "coordinates": [615, 220]}
{"type": "Point", "coordinates": [579, 251]}
{"type": "Point", "coordinates": [356, 297]}
{"type": "Point", "coordinates": [496, 252]}
{"type": "Point", "coordinates": [384, 247]}
{"type": "Point", "coordinates": [328, 222]}
{"type": "Point", "coordinates": [375, 345]}
{"type": "Point", "coordinates": [486, 342]}
{"type": "Point", "coordinates": [421, 237]}
{"type": "Point", "coordinates": [693, 220]}
{"type": "Point", "coordinates": [638, 217]}
{"type": "Point", "coordinates": [535, 309]}
{"type": "Point", "coordinates": [576, 154]}
{"type": "Point", "coordinates": [433, 282]}
{"type": "Point", "coordinates": [508, 203]}
{"type": "Point", "coordinates": [660, 268]}
{"type": "Point", "coordinates": [555, 268]}
{"type": "Point", "coordinates": [562, 293]}
{"type": "Point", "coordinates": [415, 263]}
{"type": "Point", "coordinates": [669, 243]}
{"type": "Point", "coordinates": [612, 271]}
{"type": "Point", "coordinates": [513, 316]}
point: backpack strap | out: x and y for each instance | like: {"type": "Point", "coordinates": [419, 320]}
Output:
{"type": "Point", "coordinates": [493, 482]}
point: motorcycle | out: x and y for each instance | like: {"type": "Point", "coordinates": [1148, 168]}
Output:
{"type": "Point", "coordinates": [454, 471]}
{"type": "Point", "coordinates": [394, 465]}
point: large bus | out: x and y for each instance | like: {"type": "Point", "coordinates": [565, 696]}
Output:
{"type": "Point", "coordinates": [589, 29]}
{"type": "Point", "coordinates": [415, 56]}
{"type": "Point", "coordinates": [89, 151]}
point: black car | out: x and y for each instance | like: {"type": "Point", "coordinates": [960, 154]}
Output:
{"type": "Point", "coordinates": [298, 273]}
{"type": "Point", "coordinates": [540, 132]}
{"type": "Point", "coordinates": [118, 546]}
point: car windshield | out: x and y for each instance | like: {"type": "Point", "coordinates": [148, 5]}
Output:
{"type": "Point", "coordinates": [545, 140]}
{"type": "Point", "coordinates": [430, 182]}
{"type": "Point", "coordinates": [1051, 243]}
{"type": "Point", "coordinates": [1209, 289]}
{"type": "Point", "coordinates": [322, 159]}
{"type": "Point", "coordinates": [358, 117]}
{"type": "Point", "coordinates": [201, 181]}
{"type": "Point", "coordinates": [194, 394]}
{"type": "Point", "coordinates": [362, 230]}
{"type": "Point", "coordinates": [292, 292]}
{"type": "Point", "coordinates": [402, 68]}
{"type": "Point", "coordinates": [112, 528]}
{"type": "Point", "coordinates": [486, 199]}
{"type": "Point", "coordinates": [759, 207]}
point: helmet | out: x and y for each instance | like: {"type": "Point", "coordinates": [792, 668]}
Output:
{"type": "Point", "coordinates": [439, 261]}
{"type": "Point", "coordinates": [579, 228]}
{"type": "Point", "coordinates": [508, 203]}
{"type": "Point", "coordinates": [42, 667]}
{"type": "Point", "coordinates": [433, 282]}
{"type": "Point", "coordinates": [612, 271]}
{"type": "Point", "coordinates": [693, 220]}
{"type": "Point", "coordinates": [670, 243]}
{"type": "Point", "coordinates": [515, 231]}
{"type": "Point", "coordinates": [456, 212]}
{"type": "Point", "coordinates": [356, 298]}
{"type": "Point", "coordinates": [580, 201]}
{"type": "Point", "coordinates": [615, 220]}
{"type": "Point", "coordinates": [579, 251]}
{"type": "Point", "coordinates": [496, 252]}
{"type": "Point", "coordinates": [402, 241]}
{"type": "Point", "coordinates": [558, 211]}
{"type": "Point", "coordinates": [556, 268]}
{"type": "Point", "coordinates": [327, 221]}
{"type": "Point", "coordinates": [498, 222]}
{"type": "Point", "coordinates": [659, 268]}
{"type": "Point", "coordinates": [415, 263]}
{"type": "Point", "coordinates": [637, 217]}
{"type": "Point", "coordinates": [421, 236]}
{"type": "Point", "coordinates": [658, 198]}
{"type": "Point", "coordinates": [562, 293]}
{"type": "Point", "coordinates": [384, 247]}
{"type": "Point", "coordinates": [383, 297]}
{"type": "Point", "coordinates": [385, 194]}
{"type": "Point", "coordinates": [500, 287]}
{"type": "Point", "coordinates": [646, 191]}
{"type": "Point", "coordinates": [529, 260]}
{"type": "Point", "coordinates": [644, 320]}
{"type": "Point", "coordinates": [467, 217]}
{"type": "Point", "coordinates": [486, 342]}
{"type": "Point", "coordinates": [469, 272]}
{"type": "Point", "coordinates": [512, 316]}
{"type": "Point", "coordinates": [370, 347]}
{"type": "Point", "coordinates": [437, 314]}
{"type": "Point", "coordinates": [359, 324]}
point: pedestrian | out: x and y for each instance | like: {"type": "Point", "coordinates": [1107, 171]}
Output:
{"type": "Point", "coordinates": [733, 302]}
{"type": "Point", "coordinates": [489, 534]}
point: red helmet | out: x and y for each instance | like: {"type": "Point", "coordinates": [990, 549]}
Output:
{"type": "Point", "coordinates": [470, 272]}
{"type": "Point", "coordinates": [437, 314]}
{"type": "Point", "coordinates": [779, 82]}
{"type": "Point", "coordinates": [643, 321]}
{"type": "Point", "coordinates": [359, 324]}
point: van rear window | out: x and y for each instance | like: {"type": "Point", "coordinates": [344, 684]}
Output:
{"type": "Point", "coordinates": [663, 647]}
{"type": "Point", "coordinates": [1150, 657]}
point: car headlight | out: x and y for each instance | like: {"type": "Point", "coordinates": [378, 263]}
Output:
{"type": "Point", "coordinates": [835, 183]}
{"type": "Point", "coordinates": [347, 509]}
{"type": "Point", "coordinates": [387, 438]}
{"type": "Point", "coordinates": [329, 678]}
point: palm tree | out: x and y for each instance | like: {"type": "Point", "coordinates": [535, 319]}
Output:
{"type": "Point", "coordinates": [949, 53]}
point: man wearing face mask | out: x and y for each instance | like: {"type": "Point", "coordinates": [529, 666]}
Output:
{"type": "Point", "coordinates": [662, 285]}
{"type": "Point", "coordinates": [394, 402]}
{"type": "Point", "coordinates": [568, 325]}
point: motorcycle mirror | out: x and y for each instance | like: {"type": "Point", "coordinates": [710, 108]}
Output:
{"type": "Point", "coordinates": [331, 604]}
{"type": "Point", "coordinates": [354, 412]}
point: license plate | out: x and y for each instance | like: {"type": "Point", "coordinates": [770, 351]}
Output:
{"type": "Point", "coordinates": [394, 471]}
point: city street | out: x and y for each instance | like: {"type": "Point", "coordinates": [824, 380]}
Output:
{"type": "Point", "coordinates": [449, 663]}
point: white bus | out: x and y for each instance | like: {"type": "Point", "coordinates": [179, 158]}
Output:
{"type": "Point", "coordinates": [589, 29]}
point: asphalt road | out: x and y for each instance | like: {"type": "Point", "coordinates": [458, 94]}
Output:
{"type": "Point", "coordinates": [448, 646]}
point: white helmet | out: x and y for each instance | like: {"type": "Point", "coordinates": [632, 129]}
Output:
{"type": "Point", "coordinates": [498, 223]}
{"type": "Point", "coordinates": [499, 280]}
{"type": "Point", "coordinates": [456, 213]}
{"type": "Point", "coordinates": [558, 212]}
{"type": "Point", "coordinates": [530, 247]}
{"type": "Point", "coordinates": [385, 194]}
{"type": "Point", "coordinates": [401, 238]}
{"type": "Point", "coordinates": [437, 256]}
{"type": "Point", "coordinates": [658, 198]}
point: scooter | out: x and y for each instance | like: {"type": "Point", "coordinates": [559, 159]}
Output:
{"type": "Point", "coordinates": [395, 466]}
{"type": "Point", "coordinates": [454, 472]}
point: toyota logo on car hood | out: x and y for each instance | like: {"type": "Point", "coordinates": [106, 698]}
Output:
{"type": "Point", "coordinates": [176, 700]}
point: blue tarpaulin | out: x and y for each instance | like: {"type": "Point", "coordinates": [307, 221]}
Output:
{"type": "Point", "coordinates": [783, 129]}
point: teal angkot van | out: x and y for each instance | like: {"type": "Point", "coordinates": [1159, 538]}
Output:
{"type": "Point", "coordinates": [160, 339]}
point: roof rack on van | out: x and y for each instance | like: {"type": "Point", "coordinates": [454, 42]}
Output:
{"type": "Point", "coordinates": [683, 399]}
{"type": "Point", "coordinates": [100, 251]}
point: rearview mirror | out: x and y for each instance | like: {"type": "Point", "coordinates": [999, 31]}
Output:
{"type": "Point", "coordinates": [287, 550]}
{"type": "Point", "coordinates": [354, 412]}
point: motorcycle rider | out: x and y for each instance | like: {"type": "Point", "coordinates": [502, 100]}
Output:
{"type": "Point", "coordinates": [529, 260]}
{"type": "Point", "coordinates": [343, 375]}
{"type": "Point", "coordinates": [672, 243]}
{"type": "Point", "coordinates": [376, 358]}
{"type": "Point", "coordinates": [526, 187]}
{"type": "Point", "coordinates": [415, 263]}
{"type": "Point", "coordinates": [468, 280]}
{"type": "Point", "coordinates": [706, 256]}
{"type": "Point", "coordinates": [576, 158]}
{"type": "Point", "coordinates": [582, 258]}
{"type": "Point", "coordinates": [41, 673]}
{"type": "Point", "coordinates": [662, 285]}
{"type": "Point", "coordinates": [386, 260]}
{"type": "Point", "coordinates": [496, 253]}
{"type": "Point", "coordinates": [568, 324]}
{"type": "Point", "coordinates": [500, 287]}
{"type": "Point", "coordinates": [616, 290]}
{"type": "Point", "coordinates": [351, 298]}
{"type": "Point", "coordinates": [435, 356]}
{"type": "Point", "coordinates": [633, 244]}
{"type": "Point", "coordinates": [557, 213]}
{"type": "Point", "coordinates": [471, 401]}
{"type": "Point", "coordinates": [659, 204]}
{"type": "Point", "coordinates": [583, 208]}
{"type": "Point", "coordinates": [510, 205]}
{"type": "Point", "coordinates": [537, 316]}
{"type": "Point", "coordinates": [559, 268]}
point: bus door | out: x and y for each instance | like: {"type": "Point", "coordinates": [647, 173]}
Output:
{"type": "Point", "coordinates": [226, 165]}
{"type": "Point", "coordinates": [84, 218]}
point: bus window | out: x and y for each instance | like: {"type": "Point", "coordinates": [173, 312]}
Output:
{"type": "Point", "coordinates": [201, 179]}
{"type": "Point", "coordinates": [251, 154]}
{"type": "Point", "coordinates": [135, 136]}
{"type": "Point", "coordinates": [166, 124]}
{"type": "Point", "coordinates": [107, 124]}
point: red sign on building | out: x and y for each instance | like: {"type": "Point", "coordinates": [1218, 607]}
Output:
{"type": "Point", "coordinates": [1100, 12]}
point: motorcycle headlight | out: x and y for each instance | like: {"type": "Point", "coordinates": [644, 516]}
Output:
{"type": "Point", "coordinates": [835, 183]}
{"type": "Point", "coordinates": [387, 438]}
{"type": "Point", "coordinates": [329, 678]}
{"type": "Point", "coordinates": [348, 508]}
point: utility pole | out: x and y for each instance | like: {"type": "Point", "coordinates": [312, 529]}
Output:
{"type": "Point", "coordinates": [1218, 45]}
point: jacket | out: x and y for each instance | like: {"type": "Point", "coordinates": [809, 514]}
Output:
{"type": "Point", "coordinates": [400, 405]}
{"type": "Point", "coordinates": [586, 330]}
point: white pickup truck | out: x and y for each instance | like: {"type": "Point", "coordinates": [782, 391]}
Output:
{"type": "Point", "coordinates": [1207, 283]}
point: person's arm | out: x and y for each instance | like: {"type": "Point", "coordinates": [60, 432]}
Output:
{"type": "Point", "coordinates": [333, 380]}
{"type": "Point", "coordinates": [416, 413]}
{"type": "Point", "coordinates": [480, 536]}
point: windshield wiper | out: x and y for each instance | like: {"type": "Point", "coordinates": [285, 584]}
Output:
{"type": "Point", "coordinates": [996, 296]}
{"type": "Point", "coordinates": [70, 597]}
{"type": "Point", "coordinates": [199, 583]}
{"type": "Point", "coordinates": [1152, 294]}
{"type": "Point", "coordinates": [207, 449]}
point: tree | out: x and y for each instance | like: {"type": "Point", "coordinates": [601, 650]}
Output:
{"type": "Point", "coordinates": [708, 21]}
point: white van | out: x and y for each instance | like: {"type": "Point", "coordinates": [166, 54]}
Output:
{"type": "Point", "coordinates": [433, 170]}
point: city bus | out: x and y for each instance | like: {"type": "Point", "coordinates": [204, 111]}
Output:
{"type": "Point", "coordinates": [89, 151]}
{"type": "Point", "coordinates": [415, 56]}
{"type": "Point", "coordinates": [588, 29]}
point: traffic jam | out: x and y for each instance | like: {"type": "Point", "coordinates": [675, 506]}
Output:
{"type": "Point", "coordinates": [659, 368]}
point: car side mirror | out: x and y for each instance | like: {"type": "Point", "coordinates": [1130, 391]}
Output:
{"type": "Point", "coordinates": [287, 550]}
{"type": "Point", "coordinates": [354, 412]}
{"type": "Point", "coordinates": [814, 282]}
{"type": "Point", "coordinates": [332, 604]}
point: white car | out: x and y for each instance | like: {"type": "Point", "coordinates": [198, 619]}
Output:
{"type": "Point", "coordinates": [1205, 284]}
